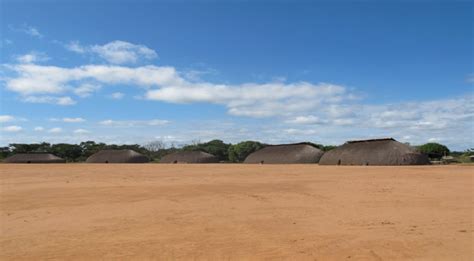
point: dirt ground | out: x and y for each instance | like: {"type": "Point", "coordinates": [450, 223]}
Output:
{"type": "Point", "coordinates": [236, 212]}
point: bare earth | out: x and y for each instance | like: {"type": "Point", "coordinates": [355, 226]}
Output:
{"type": "Point", "coordinates": [235, 212]}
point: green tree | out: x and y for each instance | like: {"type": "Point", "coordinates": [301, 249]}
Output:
{"type": "Point", "coordinates": [4, 152]}
{"type": "Point", "coordinates": [434, 150]}
{"type": "Point", "coordinates": [69, 152]}
{"type": "Point", "coordinates": [240, 151]}
{"type": "Point", "coordinates": [215, 147]}
{"type": "Point", "coordinates": [328, 147]}
{"type": "Point", "coordinates": [89, 148]}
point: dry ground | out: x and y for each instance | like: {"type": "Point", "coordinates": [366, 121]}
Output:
{"type": "Point", "coordinates": [236, 212]}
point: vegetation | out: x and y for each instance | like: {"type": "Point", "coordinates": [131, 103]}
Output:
{"type": "Point", "coordinates": [434, 150]}
{"type": "Point", "coordinates": [215, 147]}
{"type": "Point", "coordinates": [240, 151]}
{"type": "Point", "coordinates": [155, 150]}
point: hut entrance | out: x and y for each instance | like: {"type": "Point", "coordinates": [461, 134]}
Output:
{"type": "Point", "coordinates": [174, 162]}
{"type": "Point", "coordinates": [261, 162]}
{"type": "Point", "coordinates": [339, 162]}
{"type": "Point", "coordinates": [106, 161]}
{"type": "Point", "coordinates": [28, 162]}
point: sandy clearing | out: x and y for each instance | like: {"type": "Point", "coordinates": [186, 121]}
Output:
{"type": "Point", "coordinates": [235, 212]}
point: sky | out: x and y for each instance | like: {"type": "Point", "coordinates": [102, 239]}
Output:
{"type": "Point", "coordinates": [272, 71]}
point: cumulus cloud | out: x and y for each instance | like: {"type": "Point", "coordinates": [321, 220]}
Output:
{"type": "Point", "coordinates": [133, 123]}
{"type": "Point", "coordinates": [116, 52]}
{"type": "Point", "coordinates": [38, 79]}
{"type": "Point", "coordinates": [86, 89]}
{"type": "Point", "coordinates": [27, 29]}
{"type": "Point", "coordinates": [73, 120]}
{"type": "Point", "coordinates": [12, 128]}
{"type": "Point", "coordinates": [38, 128]}
{"type": "Point", "coordinates": [310, 119]}
{"type": "Point", "coordinates": [117, 95]}
{"type": "Point", "coordinates": [32, 57]}
{"type": "Point", "coordinates": [81, 131]}
{"type": "Point", "coordinates": [65, 100]}
{"type": "Point", "coordinates": [6, 118]}
{"type": "Point", "coordinates": [55, 130]}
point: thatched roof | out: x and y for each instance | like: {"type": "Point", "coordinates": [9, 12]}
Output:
{"type": "Point", "coordinates": [117, 156]}
{"type": "Point", "coordinates": [34, 158]}
{"type": "Point", "coordinates": [374, 152]}
{"type": "Point", "coordinates": [189, 157]}
{"type": "Point", "coordinates": [286, 154]}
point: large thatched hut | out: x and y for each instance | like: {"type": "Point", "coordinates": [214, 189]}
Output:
{"type": "Point", "coordinates": [189, 157]}
{"type": "Point", "coordinates": [117, 156]}
{"type": "Point", "coordinates": [34, 158]}
{"type": "Point", "coordinates": [374, 152]}
{"type": "Point", "coordinates": [286, 154]}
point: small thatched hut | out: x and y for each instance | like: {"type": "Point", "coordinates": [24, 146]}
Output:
{"type": "Point", "coordinates": [374, 152]}
{"type": "Point", "coordinates": [117, 156]}
{"type": "Point", "coordinates": [34, 158]}
{"type": "Point", "coordinates": [286, 154]}
{"type": "Point", "coordinates": [189, 157]}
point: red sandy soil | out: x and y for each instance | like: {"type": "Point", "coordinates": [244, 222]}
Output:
{"type": "Point", "coordinates": [236, 212]}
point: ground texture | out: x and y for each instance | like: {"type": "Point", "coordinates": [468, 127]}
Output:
{"type": "Point", "coordinates": [236, 212]}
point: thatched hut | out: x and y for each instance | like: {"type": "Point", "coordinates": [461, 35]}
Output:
{"type": "Point", "coordinates": [189, 157]}
{"type": "Point", "coordinates": [286, 154]}
{"type": "Point", "coordinates": [34, 158]}
{"type": "Point", "coordinates": [374, 152]}
{"type": "Point", "coordinates": [117, 156]}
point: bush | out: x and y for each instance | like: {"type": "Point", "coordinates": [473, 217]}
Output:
{"type": "Point", "coordinates": [240, 151]}
{"type": "Point", "coordinates": [434, 150]}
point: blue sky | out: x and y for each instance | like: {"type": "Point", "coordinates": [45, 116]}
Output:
{"type": "Point", "coordinates": [133, 72]}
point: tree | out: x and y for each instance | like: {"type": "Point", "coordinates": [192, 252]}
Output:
{"type": "Point", "coordinates": [328, 147]}
{"type": "Point", "coordinates": [240, 151]}
{"type": "Point", "coordinates": [89, 148]}
{"type": "Point", "coordinates": [215, 147]}
{"type": "Point", "coordinates": [69, 152]}
{"type": "Point", "coordinates": [434, 150]}
{"type": "Point", "coordinates": [4, 152]}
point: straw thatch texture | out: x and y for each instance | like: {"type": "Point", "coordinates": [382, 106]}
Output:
{"type": "Point", "coordinates": [374, 152]}
{"type": "Point", "coordinates": [34, 158]}
{"type": "Point", "coordinates": [286, 154]}
{"type": "Point", "coordinates": [189, 157]}
{"type": "Point", "coordinates": [117, 156]}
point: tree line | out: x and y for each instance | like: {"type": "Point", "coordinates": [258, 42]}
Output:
{"type": "Point", "coordinates": [155, 150]}
{"type": "Point", "coordinates": [225, 152]}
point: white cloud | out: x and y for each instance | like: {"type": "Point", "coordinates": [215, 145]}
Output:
{"type": "Point", "coordinates": [134, 123]}
{"type": "Point", "coordinates": [303, 132]}
{"type": "Point", "coordinates": [12, 128]}
{"type": "Point", "coordinates": [65, 100]}
{"type": "Point", "coordinates": [27, 29]}
{"type": "Point", "coordinates": [75, 47]}
{"type": "Point", "coordinates": [32, 57]}
{"type": "Point", "coordinates": [116, 52]}
{"type": "Point", "coordinates": [254, 100]}
{"type": "Point", "coordinates": [81, 131]}
{"type": "Point", "coordinates": [38, 79]}
{"type": "Point", "coordinates": [86, 89]}
{"type": "Point", "coordinates": [38, 128]}
{"type": "Point", "coordinates": [55, 130]}
{"type": "Point", "coordinates": [6, 118]}
{"type": "Point", "coordinates": [117, 95]}
{"type": "Point", "coordinates": [73, 120]}
{"type": "Point", "coordinates": [310, 119]}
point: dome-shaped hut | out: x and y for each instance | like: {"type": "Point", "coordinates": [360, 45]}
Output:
{"type": "Point", "coordinates": [189, 157]}
{"type": "Point", "coordinates": [34, 158]}
{"type": "Point", "coordinates": [374, 152]}
{"type": "Point", "coordinates": [286, 154]}
{"type": "Point", "coordinates": [117, 156]}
